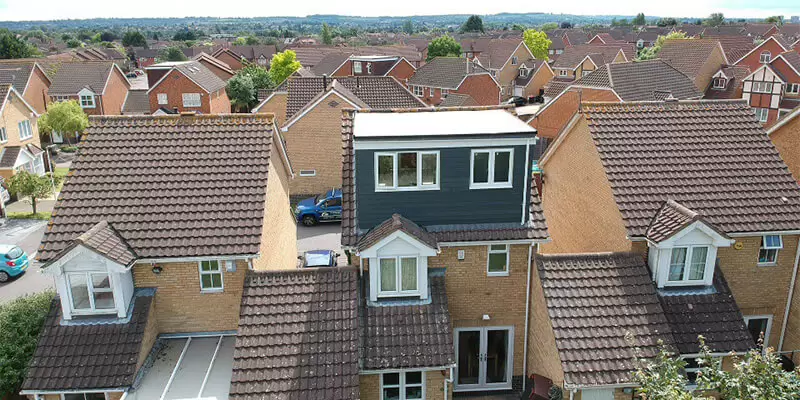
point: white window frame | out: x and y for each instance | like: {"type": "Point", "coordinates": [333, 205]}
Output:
{"type": "Point", "coordinates": [585, 72]}
{"type": "Point", "coordinates": [767, 332]}
{"type": "Point", "coordinates": [523, 72]}
{"type": "Point", "coordinates": [63, 397]}
{"type": "Point", "coordinates": [507, 251]}
{"type": "Point", "coordinates": [221, 272]}
{"type": "Point", "coordinates": [357, 67]}
{"type": "Point", "coordinates": [398, 270]}
{"type": "Point", "coordinates": [559, 51]}
{"type": "Point", "coordinates": [308, 172]}
{"type": "Point", "coordinates": [401, 386]}
{"type": "Point", "coordinates": [685, 281]}
{"type": "Point", "coordinates": [188, 100]}
{"type": "Point", "coordinates": [432, 91]}
{"type": "Point", "coordinates": [640, 43]}
{"type": "Point", "coordinates": [90, 289]}
{"type": "Point", "coordinates": [717, 360]}
{"type": "Point", "coordinates": [765, 57]}
{"type": "Point", "coordinates": [89, 103]}
{"type": "Point", "coordinates": [762, 87]}
{"type": "Point", "coordinates": [777, 250]}
{"type": "Point", "coordinates": [395, 171]}
{"type": "Point", "coordinates": [162, 98]}
{"type": "Point", "coordinates": [514, 60]}
{"type": "Point", "coordinates": [762, 114]}
{"type": "Point", "coordinates": [793, 88]}
{"type": "Point", "coordinates": [419, 91]}
{"type": "Point", "coordinates": [562, 72]}
{"type": "Point", "coordinates": [719, 82]}
{"type": "Point", "coordinates": [445, 93]}
{"type": "Point", "coordinates": [25, 130]}
{"type": "Point", "coordinates": [369, 68]}
{"type": "Point", "coordinates": [3, 135]}
{"type": "Point", "coordinates": [491, 184]}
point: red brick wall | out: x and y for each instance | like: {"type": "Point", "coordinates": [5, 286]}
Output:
{"type": "Point", "coordinates": [36, 92]}
{"type": "Point", "coordinates": [220, 104]}
{"type": "Point", "coordinates": [786, 71]}
{"type": "Point", "coordinates": [221, 73]}
{"type": "Point", "coordinates": [402, 71]}
{"type": "Point", "coordinates": [482, 88]}
{"type": "Point", "coordinates": [234, 62]}
{"type": "Point", "coordinates": [752, 60]}
{"type": "Point", "coordinates": [345, 69]}
{"type": "Point", "coordinates": [175, 85]}
{"type": "Point", "coordinates": [560, 111]}
{"type": "Point", "coordinates": [115, 94]}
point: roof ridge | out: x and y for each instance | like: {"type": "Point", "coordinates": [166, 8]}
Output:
{"type": "Point", "coordinates": [438, 109]}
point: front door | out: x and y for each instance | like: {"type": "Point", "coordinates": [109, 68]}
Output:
{"type": "Point", "coordinates": [485, 358]}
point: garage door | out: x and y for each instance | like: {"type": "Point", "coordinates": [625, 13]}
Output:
{"type": "Point", "coordinates": [597, 394]}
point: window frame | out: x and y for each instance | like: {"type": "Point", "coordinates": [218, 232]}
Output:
{"type": "Point", "coordinates": [776, 249]}
{"type": "Point", "coordinates": [491, 184]}
{"type": "Point", "coordinates": [562, 72]}
{"type": "Point", "coordinates": [62, 396]}
{"type": "Point", "coordinates": [418, 91]}
{"type": "Point", "coordinates": [398, 271]}
{"type": "Point", "coordinates": [221, 272]}
{"type": "Point", "coordinates": [507, 251]}
{"type": "Point", "coordinates": [91, 290]}
{"type": "Point", "coordinates": [768, 55]}
{"type": "Point", "coordinates": [762, 114]}
{"type": "Point", "coordinates": [793, 88]}
{"type": "Point", "coordinates": [715, 83]}
{"type": "Point", "coordinates": [88, 104]}
{"type": "Point", "coordinates": [191, 97]}
{"type": "Point", "coordinates": [514, 60]}
{"type": "Point", "coordinates": [165, 97]}
{"type": "Point", "coordinates": [25, 127]}
{"type": "Point", "coordinates": [445, 93]}
{"type": "Point", "coordinates": [307, 172]}
{"type": "Point", "coordinates": [762, 87]}
{"type": "Point", "coordinates": [357, 67]}
{"type": "Point", "coordinates": [3, 135]}
{"type": "Point", "coordinates": [767, 332]}
{"type": "Point", "coordinates": [523, 72]}
{"type": "Point", "coordinates": [402, 385]}
{"type": "Point", "coordinates": [395, 172]}
{"type": "Point", "coordinates": [687, 263]}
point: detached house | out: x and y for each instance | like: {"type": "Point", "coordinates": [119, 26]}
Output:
{"type": "Point", "coordinates": [699, 59]}
{"type": "Point", "coordinates": [694, 239]}
{"type": "Point", "coordinates": [764, 52]}
{"type": "Point", "coordinates": [20, 147]}
{"type": "Point", "coordinates": [773, 89]}
{"type": "Point", "coordinates": [434, 81]}
{"type": "Point", "coordinates": [99, 87]}
{"type": "Point", "coordinates": [580, 60]}
{"type": "Point", "coordinates": [237, 56]}
{"type": "Point", "coordinates": [186, 86]}
{"type": "Point", "coordinates": [503, 58]}
{"type": "Point", "coordinates": [150, 273]}
{"type": "Point", "coordinates": [346, 64]}
{"type": "Point", "coordinates": [28, 78]}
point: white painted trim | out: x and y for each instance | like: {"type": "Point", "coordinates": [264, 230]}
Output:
{"type": "Point", "coordinates": [297, 117]}
{"type": "Point", "coordinates": [453, 142]}
{"type": "Point", "coordinates": [287, 163]}
{"type": "Point", "coordinates": [759, 46]}
{"type": "Point", "coordinates": [752, 234]}
{"type": "Point", "coordinates": [489, 253]}
{"type": "Point", "coordinates": [486, 243]}
{"type": "Point", "coordinates": [165, 260]}
{"type": "Point", "coordinates": [401, 383]}
{"type": "Point", "coordinates": [258, 107]}
{"type": "Point", "coordinates": [763, 66]}
{"type": "Point", "coordinates": [492, 154]}
{"type": "Point", "coordinates": [395, 171]}
{"type": "Point", "coordinates": [425, 250]}
{"type": "Point", "coordinates": [768, 331]}
{"type": "Point", "coordinates": [220, 270]}
{"type": "Point", "coordinates": [527, 180]}
{"type": "Point", "coordinates": [20, 97]}
{"type": "Point", "coordinates": [72, 391]}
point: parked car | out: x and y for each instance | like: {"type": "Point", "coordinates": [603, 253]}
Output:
{"type": "Point", "coordinates": [319, 258]}
{"type": "Point", "coordinates": [14, 261]}
{"type": "Point", "coordinates": [517, 101]}
{"type": "Point", "coordinates": [326, 207]}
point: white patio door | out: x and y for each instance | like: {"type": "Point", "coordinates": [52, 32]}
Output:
{"type": "Point", "coordinates": [485, 358]}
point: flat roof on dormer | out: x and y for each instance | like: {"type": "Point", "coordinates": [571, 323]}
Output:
{"type": "Point", "coordinates": [437, 123]}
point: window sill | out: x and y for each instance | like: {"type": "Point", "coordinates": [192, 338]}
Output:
{"type": "Point", "coordinates": [212, 290]}
{"type": "Point", "coordinates": [497, 273]}
{"type": "Point", "coordinates": [83, 313]}
{"type": "Point", "coordinates": [483, 186]}
{"type": "Point", "coordinates": [684, 283]}
{"type": "Point", "coordinates": [767, 264]}
{"type": "Point", "coordinates": [408, 189]}
{"type": "Point", "coordinates": [398, 294]}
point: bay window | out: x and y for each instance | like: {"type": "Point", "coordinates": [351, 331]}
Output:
{"type": "Point", "coordinates": [413, 170]}
{"type": "Point", "coordinates": [403, 386]}
{"type": "Point", "coordinates": [91, 292]}
{"type": "Point", "coordinates": [688, 264]}
{"type": "Point", "coordinates": [768, 251]}
{"type": "Point", "coordinates": [397, 276]}
{"type": "Point", "coordinates": [491, 168]}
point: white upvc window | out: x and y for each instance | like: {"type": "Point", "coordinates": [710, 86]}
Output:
{"type": "Point", "coordinates": [397, 276]}
{"type": "Point", "coordinates": [356, 67]}
{"type": "Point", "coordinates": [369, 68]}
{"type": "Point", "coordinates": [87, 101]}
{"type": "Point", "coordinates": [491, 168]}
{"type": "Point", "coordinates": [760, 327]}
{"type": "Point", "coordinates": [762, 114]}
{"type": "Point", "coordinates": [262, 60]}
{"type": "Point", "coordinates": [687, 265]}
{"type": "Point", "coordinates": [766, 57]}
{"type": "Point", "coordinates": [719, 83]}
{"type": "Point", "coordinates": [497, 260]}
{"type": "Point", "coordinates": [559, 51]}
{"type": "Point", "coordinates": [768, 252]}
{"type": "Point", "coordinates": [445, 93]}
{"type": "Point", "coordinates": [514, 60]}
{"type": "Point", "coordinates": [408, 385]}
{"type": "Point", "coordinates": [762, 87]}
{"type": "Point", "coordinates": [210, 276]}
{"type": "Point", "coordinates": [191, 99]}
{"type": "Point", "coordinates": [91, 293]}
{"type": "Point", "coordinates": [308, 172]}
{"type": "Point", "coordinates": [585, 72]}
{"type": "Point", "coordinates": [431, 91]}
{"type": "Point", "coordinates": [793, 88]}
{"type": "Point", "coordinates": [419, 91]}
{"type": "Point", "coordinates": [407, 170]}
{"type": "Point", "coordinates": [83, 396]}
{"type": "Point", "coordinates": [562, 72]}
{"type": "Point", "coordinates": [25, 130]}
{"type": "Point", "coordinates": [551, 52]}
{"type": "Point", "coordinates": [162, 99]}
{"type": "Point", "coordinates": [523, 72]}
{"type": "Point", "coordinates": [640, 43]}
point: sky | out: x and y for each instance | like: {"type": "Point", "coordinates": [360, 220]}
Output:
{"type": "Point", "coordinates": [17, 10]}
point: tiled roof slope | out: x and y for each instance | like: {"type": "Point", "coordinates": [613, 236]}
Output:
{"type": "Point", "coordinates": [201, 75]}
{"type": "Point", "coordinates": [642, 81]}
{"type": "Point", "coordinates": [375, 91]}
{"type": "Point", "coordinates": [72, 77]}
{"type": "Point", "coordinates": [445, 72]}
{"type": "Point", "coordinates": [105, 240]}
{"type": "Point", "coordinates": [714, 315]}
{"type": "Point", "coordinates": [137, 102]}
{"type": "Point", "coordinates": [9, 155]}
{"type": "Point", "coordinates": [88, 356]}
{"type": "Point", "coordinates": [688, 55]}
{"type": "Point", "coordinates": [535, 228]}
{"type": "Point", "coordinates": [594, 301]}
{"type": "Point", "coordinates": [733, 87]}
{"type": "Point", "coordinates": [172, 186]}
{"type": "Point", "coordinates": [572, 56]}
{"type": "Point", "coordinates": [408, 336]}
{"type": "Point", "coordinates": [711, 156]}
{"type": "Point", "coordinates": [734, 46]}
{"type": "Point", "coordinates": [671, 219]}
{"type": "Point", "coordinates": [458, 100]}
{"type": "Point", "coordinates": [396, 223]}
{"type": "Point", "coordinates": [16, 74]}
{"type": "Point", "coordinates": [298, 336]}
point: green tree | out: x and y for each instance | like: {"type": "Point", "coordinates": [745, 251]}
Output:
{"type": "Point", "coordinates": [566, 25]}
{"type": "Point", "coordinates": [283, 65]}
{"type": "Point", "coordinates": [259, 75]}
{"type": "Point", "coordinates": [518, 27]}
{"type": "Point", "coordinates": [239, 41]}
{"type": "Point", "coordinates": [134, 38]}
{"type": "Point", "coordinates": [662, 377]}
{"type": "Point", "coordinates": [13, 47]}
{"type": "Point", "coordinates": [652, 52]}
{"type": "Point", "coordinates": [251, 40]}
{"type": "Point", "coordinates": [21, 321]}
{"type": "Point", "coordinates": [408, 27]}
{"type": "Point", "coordinates": [443, 46]}
{"type": "Point", "coordinates": [172, 53]}
{"type": "Point", "coordinates": [775, 19]}
{"type": "Point", "coordinates": [668, 21]}
{"type": "Point", "coordinates": [474, 24]}
{"type": "Point", "coordinates": [108, 36]}
{"type": "Point", "coordinates": [25, 184]}
{"type": "Point", "coordinates": [715, 19]}
{"type": "Point", "coordinates": [549, 26]}
{"type": "Point", "coordinates": [155, 36]}
{"type": "Point", "coordinates": [66, 37]}
{"type": "Point", "coordinates": [241, 92]}
{"type": "Point", "coordinates": [187, 34]}
{"type": "Point", "coordinates": [537, 42]}
{"type": "Point", "coordinates": [326, 34]}
{"type": "Point", "coordinates": [66, 117]}
{"type": "Point", "coordinates": [639, 19]}
{"type": "Point", "coordinates": [72, 43]}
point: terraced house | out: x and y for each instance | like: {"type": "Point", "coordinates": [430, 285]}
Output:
{"type": "Point", "coordinates": [661, 232]}
{"type": "Point", "coordinates": [150, 273]}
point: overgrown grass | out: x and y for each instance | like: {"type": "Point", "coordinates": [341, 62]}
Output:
{"type": "Point", "coordinates": [45, 216]}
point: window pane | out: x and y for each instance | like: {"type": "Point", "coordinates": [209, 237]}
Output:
{"type": "Point", "coordinates": [414, 378]}
{"type": "Point", "coordinates": [497, 262]}
{"type": "Point", "coordinates": [429, 169]}
{"type": "Point", "coordinates": [767, 255]}
{"type": "Point", "coordinates": [698, 267]}
{"type": "Point", "coordinates": [101, 281]}
{"type": "Point", "coordinates": [480, 168]}
{"type": "Point", "coordinates": [386, 171]}
{"type": "Point", "coordinates": [407, 169]}
{"type": "Point", "coordinates": [501, 166]}
{"type": "Point", "coordinates": [391, 394]}
{"type": "Point", "coordinates": [757, 327]}
{"type": "Point", "coordinates": [408, 267]}
{"type": "Point", "coordinates": [216, 280]}
{"type": "Point", "coordinates": [772, 241]}
{"type": "Point", "coordinates": [95, 396]}
{"type": "Point", "coordinates": [73, 396]}
{"type": "Point", "coordinates": [388, 275]}
{"type": "Point", "coordinates": [80, 291]}
{"type": "Point", "coordinates": [205, 281]}
{"type": "Point", "coordinates": [498, 247]}
{"type": "Point", "coordinates": [414, 393]}
{"type": "Point", "coordinates": [391, 379]}
{"type": "Point", "coordinates": [677, 264]}
{"type": "Point", "coordinates": [104, 300]}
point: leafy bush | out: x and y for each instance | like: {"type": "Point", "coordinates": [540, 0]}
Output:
{"type": "Point", "coordinates": [69, 149]}
{"type": "Point", "coordinates": [21, 321]}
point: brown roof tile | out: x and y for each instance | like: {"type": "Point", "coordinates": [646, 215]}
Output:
{"type": "Point", "coordinates": [688, 55]}
{"type": "Point", "coordinates": [396, 223]}
{"type": "Point", "coordinates": [72, 77]}
{"type": "Point", "coordinates": [642, 81]}
{"type": "Point", "coordinates": [446, 72]}
{"type": "Point", "coordinates": [671, 219]}
{"type": "Point", "coordinates": [574, 55]}
{"type": "Point", "coordinates": [734, 46]}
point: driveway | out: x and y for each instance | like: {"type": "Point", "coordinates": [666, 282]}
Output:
{"type": "Point", "coordinates": [26, 234]}
{"type": "Point", "coordinates": [327, 236]}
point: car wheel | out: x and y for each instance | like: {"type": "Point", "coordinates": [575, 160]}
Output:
{"type": "Point", "coordinates": [4, 277]}
{"type": "Point", "coordinates": [309, 220]}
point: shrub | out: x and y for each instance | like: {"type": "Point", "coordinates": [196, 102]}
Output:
{"type": "Point", "coordinates": [21, 321]}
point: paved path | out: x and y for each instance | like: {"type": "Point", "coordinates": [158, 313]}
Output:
{"type": "Point", "coordinates": [26, 234]}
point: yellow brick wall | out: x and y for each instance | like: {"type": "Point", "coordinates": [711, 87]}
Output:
{"type": "Point", "coordinates": [13, 113]}
{"type": "Point", "coordinates": [590, 222]}
{"type": "Point", "coordinates": [180, 306]}
{"type": "Point", "coordinates": [509, 72]}
{"type": "Point", "coordinates": [279, 232]}
{"type": "Point", "coordinates": [787, 141]}
{"type": "Point", "coordinates": [277, 106]}
{"type": "Point", "coordinates": [315, 143]}
{"type": "Point", "coordinates": [471, 293]}
{"type": "Point", "coordinates": [543, 357]}
{"type": "Point", "coordinates": [370, 386]}
{"type": "Point", "coordinates": [150, 336]}
{"type": "Point", "coordinates": [715, 61]}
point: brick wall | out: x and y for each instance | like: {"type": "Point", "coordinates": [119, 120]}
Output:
{"type": "Point", "coordinates": [752, 60]}
{"type": "Point", "coordinates": [221, 73]}
{"type": "Point", "coordinates": [174, 85]}
{"type": "Point", "coordinates": [234, 62]}
{"type": "Point", "coordinates": [550, 121]}
{"type": "Point", "coordinates": [508, 72]}
{"type": "Point", "coordinates": [370, 386]}
{"type": "Point", "coordinates": [36, 92]}
{"type": "Point", "coordinates": [543, 357]}
{"type": "Point", "coordinates": [180, 306]}
{"type": "Point", "coordinates": [15, 112]}
{"type": "Point", "coordinates": [403, 71]}
{"type": "Point", "coordinates": [150, 336]}
{"type": "Point", "coordinates": [715, 61]}
{"type": "Point", "coordinates": [115, 93]}
{"type": "Point", "coordinates": [277, 106]}
{"type": "Point", "coordinates": [220, 104]}
{"type": "Point", "coordinates": [542, 76]}
{"type": "Point", "coordinates": [482, 88]}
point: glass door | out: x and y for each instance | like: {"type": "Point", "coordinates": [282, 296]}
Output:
{"type": "Point", "coordinates": [485, 358]}
{"type": "Point", "coordinates": [468, 344]}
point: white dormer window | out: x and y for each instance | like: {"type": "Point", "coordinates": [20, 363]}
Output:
{"type": "Point", "coordinates": [688, 257]}
{"type": "Point", "coordinates": [766, 57]}
{"type": "Point", "coordinates": [87, 101]}
{"type": "Point", "coordinates": [91, 292]}
{"type": "Point", "coordinates": [688, 264]}
{"type": "Point", "coordinates": [768, 252]}
{"type": "Point", "coordinates": [356, 67]}
{"type": "Point", "coordinates": [523, 72]}
{"type": "Point", "coordinates": [719, 83]}
{"type": "Point", "coordinates": [398, 276]}
{"type": "Point", "coordinates": [398, 267]}
{"type": "Point", "coordinates": [562, 72]}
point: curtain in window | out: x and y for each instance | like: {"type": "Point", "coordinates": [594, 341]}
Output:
{"type": "Point", "coordinates": [677, 264]}
{"type": "Point", "coordinates": [388, 275]}
{"type": "Point", "coordinates": [698, 266]}
{"type": "Point", "coordinates": [409, 273]}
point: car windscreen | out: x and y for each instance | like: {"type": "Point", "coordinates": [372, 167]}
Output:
{"type": "Point", "coordinates": [321, 196]}
{"type": "Point", "coordinates": [317, 259]}
{"type": "Point", "coordinates": [14, 253]}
